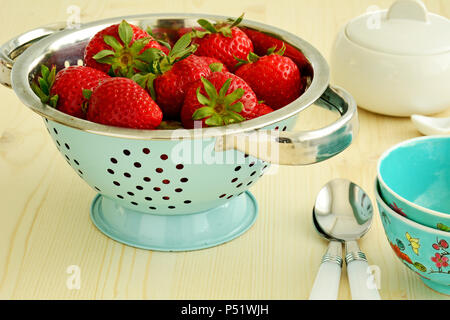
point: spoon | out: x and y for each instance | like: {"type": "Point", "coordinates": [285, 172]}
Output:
{"type": "Point", "coordinates": [326, 285]}
{"type": "Point", "coordinates": [344, 212]}
{"type": "Point", "coordinates": [431, 125]}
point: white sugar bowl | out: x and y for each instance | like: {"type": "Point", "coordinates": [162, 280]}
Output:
{"type": "Point", "coordinates": [395, 62]}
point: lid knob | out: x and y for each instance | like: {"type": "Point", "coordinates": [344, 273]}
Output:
{"type": "Point", "coordinates": [408, 9]}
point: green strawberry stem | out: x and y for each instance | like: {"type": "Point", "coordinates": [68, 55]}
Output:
{"type": "Point", "coordinates": [44, 84]}
{"type": "Point", "coordinates": [253, 57]}
{"type": "Point", "coordinates": [221, 27]}
{"type": "Point", "coordinates": [124, 58]}
{"type": "Point", "coordinates": [219, 107]}
{"type": "Point", "coordinates": [157, 65]}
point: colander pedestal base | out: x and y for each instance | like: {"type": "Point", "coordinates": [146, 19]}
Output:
{"type": "Point", "coordinates": [175, 232]}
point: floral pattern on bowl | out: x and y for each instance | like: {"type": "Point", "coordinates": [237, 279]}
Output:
{"type": "Point", "coordinates": [422, 249]}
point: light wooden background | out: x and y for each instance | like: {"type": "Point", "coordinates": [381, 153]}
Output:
{"type": "Point", "coordinates": [44, 205]}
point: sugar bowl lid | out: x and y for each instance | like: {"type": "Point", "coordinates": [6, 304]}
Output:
{"type": "Point", "coordinates": [407, 28]}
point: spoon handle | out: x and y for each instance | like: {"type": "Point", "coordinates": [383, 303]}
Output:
{"type": "Point", "coordinates": [326, 285]}
{"type": "Point", "coordinates": [359, 274]}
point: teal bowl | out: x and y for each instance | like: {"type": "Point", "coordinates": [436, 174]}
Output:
{"type": "Point", "coordinates": [414, 178]}
{"type": "Point", "coordinates": [422, 249]}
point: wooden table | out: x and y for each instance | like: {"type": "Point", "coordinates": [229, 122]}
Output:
{"type": "Point", "coordinates": [44, 220]}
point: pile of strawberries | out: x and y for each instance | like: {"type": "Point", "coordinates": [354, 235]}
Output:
{"type": "Point", "coordinates": [217, 74]}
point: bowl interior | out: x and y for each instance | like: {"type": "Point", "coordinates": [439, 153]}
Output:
{"type": "Point", "coordinates": [419, 171]}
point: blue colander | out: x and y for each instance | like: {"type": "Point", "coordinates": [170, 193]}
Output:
{"type": "Point", "coordinates": [175, 190]}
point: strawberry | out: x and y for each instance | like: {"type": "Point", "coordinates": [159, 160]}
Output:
{"type": "Point", "coordinates": [221, 98]}
{"type": "Point", "coordinates": [263, 109]}
{"type": "Point", "coordinates": [264, 41]}
{"type": "Point", "coordinates": [274, 78]}
{"type": "Point", "coordinates": [168, 77]}
{"type": "Point", "coordinates": [122, 102]}
{"type": "Point", "coordinates": [65, 90]}
{"type": "Point", "coordinates": [222, 41]}
{"type": "Point", "coordinates": [120, 47]}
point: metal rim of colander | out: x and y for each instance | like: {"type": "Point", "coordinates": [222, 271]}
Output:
{"type": "Point", "coordinates": [24, 65]}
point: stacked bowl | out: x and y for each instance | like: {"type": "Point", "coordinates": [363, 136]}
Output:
{"type": "Point", "coordinates": [413, 197]}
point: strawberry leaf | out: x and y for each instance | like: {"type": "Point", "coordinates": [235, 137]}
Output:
{"type": "Point", "coordinates": [202, 113]}
{"type": "Point", "coordinates": [87, 93]}
{"type": "Point", "coordinates": [232, 97]}
{"type": "Point", "coordinates": [216, 67]}
{"type": "Point", "coordinates": [207, 25]}
{"type": "Point", "coordinates": [236, 107]}
{"type": "Point", "coordinates": [225, 87]}
{"type": "Point", "coordinates": [210, 90]}
{"type": "Point", "coordinates": [214, 121]}
{"type": "Point", "coordinates": [101, 54]}
{"type": "Point", "coordinates": [237, 21]}
{"type": "Point", "coordinates": [202, 99]}
{"type": "Point", "coordinates": [125, 32]}
{"type": "Point", "coordinates": [112, 42]}
{"type": "Point", "coordinates": [53, 101]}
{"type": "Point", "coordinates": [138, 45]}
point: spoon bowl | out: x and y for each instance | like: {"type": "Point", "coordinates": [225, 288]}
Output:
{"type": "Point", "coordinates": [431, 125]}
{"type": "Point", "coordinates": [343, 212]}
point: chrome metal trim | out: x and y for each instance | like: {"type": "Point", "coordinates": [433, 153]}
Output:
{"type": "Point", "coordinates": [333, 259]}
{"type": "Point", "coordinates": [354, 256]}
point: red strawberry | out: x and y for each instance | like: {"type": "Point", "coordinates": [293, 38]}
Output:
{"type": "Point", "coordinates": [263, 109]}
{"type": "Point", "coordinates": [65, 90]}
{"type": "Point", "coordinates": [222, 98]}
{"type": "Point", "coordinates": [263, 42]}
{"type": "Point", "coordinates": [122, 102]}
{"type": "Point", "coordinates": [168, 77]}
{"type": "Point", "coordinates": [120, 46]}
{"type": "Point", "coordinates": [171, 86]}
{"type": "Point", "coordinates": [274, 78]}
{"type": "Point", "coordinates": [223, 41]}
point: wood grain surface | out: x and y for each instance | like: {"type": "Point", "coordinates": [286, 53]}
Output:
{"type": "Point", "coordinates": [44, 208]}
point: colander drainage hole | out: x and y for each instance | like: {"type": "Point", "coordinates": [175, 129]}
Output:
{"type": "Point", "coordinates": [178, 190]}
{"type": "Point", "coordinates": [148, 198]}
{"type": "Point", "coordinates": [116, 183]}
{"type": "Point", "coordinates": [239, 185]}
{"type": "Point", "coordinates": [171, 207]}
{"type": "Point", "coordinates": [157, 189]}
{"type": "Point", "coordinates": [166, 181]}
{"type": "Point", "coordinates": [67, 146]}
{"type": "Point", "coordinates": [55, 131]}
{"type": "Point", "coordinates": [127, 175]}
{"type": "Point", "coordinates": [139, 188]}
{"type": "Point", "coordinates": [130, 193]}
{"type": "Point", "coordinates": [146, 150]}
{"type": "Point", "coordinates": [159, 170]}
{"type": "Point", "coordinates": [223, 195]}
{"type": "Point", "coordinates": [147, 179]}
{"type": "Point", "coordinates": [111, 171]}
{"type": "Point", "coordinates": [184, 180]}
{"type": "Point", "coordinates": [179, 166]}
{"type": "Point", "coordinates": [113, 160]}
{"type": "Point", "coordinates": [137, 165]}
{"type": "Point", "coordinates": [234, 180]}
{"type": "Point", "coordinates": [164, 157]}
{"type": "Point", "coordinates": [253, 173]}
{"type": "Point", "coordinates": [237, 168]}
{"type": "Point", "coordinates": [134, 203]}
{"type": "Point", "coordinates": [119, 196]}
{"type": "Point", "coordinates": [126, 152]}
{"type": "Point", "coordinates": [187, 201]}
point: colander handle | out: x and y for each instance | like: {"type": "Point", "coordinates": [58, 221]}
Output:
{"type": "Point", "coordinates": [303, 147]}
{"type": "Point", "coordinates": [10, 50]}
